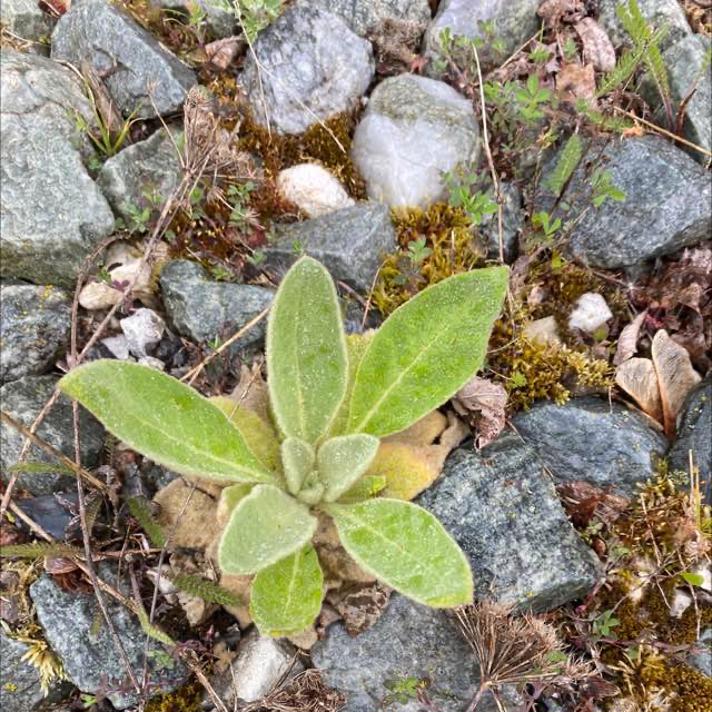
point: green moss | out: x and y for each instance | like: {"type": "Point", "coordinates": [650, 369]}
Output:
{"type": "Point", "coordinates": [186, 699]}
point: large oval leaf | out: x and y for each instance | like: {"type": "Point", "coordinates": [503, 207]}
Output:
{"type": "Point", "coordinates": [286, 597]}
{"type": "Point", "coordinates": [407, 548]}
{"type": "Point", "coordinates": [306, 352]}
{"type": "Point", "coordinates": [264, 527]}
{"type": "Point", "coordinates": [426, 351]}
{"type": "Point", "coordinates": [164, 420]}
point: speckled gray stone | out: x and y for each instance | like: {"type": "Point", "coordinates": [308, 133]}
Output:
{"type": "Point", "coordinates": [20, 689]}
{"type": "Point", "coordinates": [513, 21]}
{"type": "Point", "coordinates": [351, 243]}
{"type": "Point", "coordinates": [134, 65]}
{"type": "Point", "coordinates": [202, 309]}
{"type": "Point", "coordinates": [668, 203]}
{"type": "Point", "coordinates": [148, 168]}
{"type": "Point", "coordinates": [658, 13]}
{"type": "Point", "coordinates": [23, 399]}
{"type": "Point", "coordinates": [312, 67]}
{"type": "Point", "coordinates": [365, 15]}
{"type": "Point", "coordinates": [91, 660]}
{"type": "Point", "coordinates": [589, 439]}
{"type": "Point", "coordinates": [694, 434]}
{"type": "Point", "coordinates": [408, 641]}
{"type": "Point", "coordinates": [502, 508]}
{"type": "Point", "coordinates": [53, 214]}
{"type": "Point", "coordinates": [512, 223]}
{"type": "Point", "coordinates": [25, 19]}
{"type": "Point", "coordinates": [414, 130]}
{"type": "Point", "coordinates": [34, 329]}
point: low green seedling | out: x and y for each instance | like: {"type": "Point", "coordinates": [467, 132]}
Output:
{"type": "Point", "coordinates": [332, 399]}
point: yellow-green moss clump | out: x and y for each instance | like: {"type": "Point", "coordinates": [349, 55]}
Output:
{"type": "Point", "coordinates": [448, 246]}
{"type": "Point", "coordinates": [186, 699]}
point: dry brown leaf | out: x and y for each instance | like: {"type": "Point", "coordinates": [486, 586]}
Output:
{"type": "Point", "coordinates": [597, 47]}
{"type": "Point", "coordinates": [484, 402]}
{"type": "Point", "coordinates": [360, 606]}
{"type": "Point", "coordinates": [638, 379]}
{"type": "Point", "coordinates": [240, 586]}
{"type": "Point", "coordinates": [676, 377]}
{"type": "Point", "coordinates": [628, 339]}
{"type": "Point", "coordinates": [576, 81]}
{"type": "Point", "coordinates": [556, 12]}
{"type": "Point", "coordinates": [221, 53]}
{"type": "Point", "coordinates": [251, 392]}
{"type": "Point", "coordinates": [423, 432]}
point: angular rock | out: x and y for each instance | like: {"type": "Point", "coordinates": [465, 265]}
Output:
{"type": "Point", "coordinates": [141, 175]}
{"type": "Point", "coordinates": [312, 67]}
{"type": "Point", "coordinates": [55, 513]}
{"type": "Point", "coordinates": [138, 72]}
{"type": "Point", "coordinates": [687, 63]}
{"type": "Point", "coordinates": [221, 23]}
{"type": "Point", "coordinates": [20, 689]}
{"type": "Point", "coordinates": [657, 13]}
{"type": "Point", "coordinates": [260, 664]}
{"type": "Point", "coordinates": [34, 329]}
{"type": "Point", "coordinates": [365, 15]}
{"type": "Point", "coordinates": [502, 509]}
{"type": "Point", "coordinates": [313, 189]}
{"type": "Point", "coordinates": [350, 242]}
{"type": "Point", "coordinates": [513, 23]}
{"type": "Point", "coordinates": [90, 660]}
{"type": "Point", "coordinates": [668, 203]}
{"type": "Point", "coordinates": [694, 434]}
{"type": "Point", "coordinates": [409, 641]}
{"type": "Point", "coordinates": [25, 19]}
{"type": "Point", "coordinates": [53, 214]}
{"type": "Point", "coordinates": [413, 131]}
{"type": "Point", "coordinates": [202, 310]}
{"type": "Point", "coordinates": [23, 399]}
{"type": "Point", "coordinates": [590, 439]}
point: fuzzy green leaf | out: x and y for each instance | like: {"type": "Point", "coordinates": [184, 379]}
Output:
{"type": "Point", "coordinates": [286, 597]}
{"type": "Point", "coordinates": [297, 461]}
{"type": "Point", "coordinates": [343, 460]}
{"type": "Point", "coordinates": [264, 527]}
{"type": "Point", "coordinates": [306, 352]}
{"type": "Point", "coordinates": [426, 351]}
{"type": "Point", "coordinates": [407, 548]}
{"type": "Point", "coordinates": [368, 486]}
{"type": "Point", "coordinates": [165, 420]}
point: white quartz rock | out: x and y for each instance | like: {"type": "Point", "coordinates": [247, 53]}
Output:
{"type": "Point", "coordinates": [313, 189]}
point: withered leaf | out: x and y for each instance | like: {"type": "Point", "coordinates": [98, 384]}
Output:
{"type": "Point", "coordinates": [597, 47]}
{"type": "Point", "coordinates": [360, 605]}
{"type": "Point", "coordinates": [554, 12]}
{"type": "Point", "coordinates": [676, 377]}
{"type": "Point", "coordinates": [485, 403]}
{"type": "Point", "coordinates": [638, 379]}
{"type": "Point", "coordinates": [628, 339]}
{"type": "Point", "coordinates": [576, 81]}
{"type": "Point", "coordinates": [221, 53]}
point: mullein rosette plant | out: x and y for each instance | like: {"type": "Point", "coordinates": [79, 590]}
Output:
{"type": "Point", "coordinates": [332, 399]}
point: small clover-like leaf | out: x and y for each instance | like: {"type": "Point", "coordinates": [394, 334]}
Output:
{"type": "Point", "coordinates": [298, 459]}
{"type": "Point", "coordinates": [286, 597]}
{"type": "Point", "coordinates": [306, 352]}
{"type": "Point", "coordinates": [407, 548]}
{"type": "Point", "coordinates": [164, 420]}
{"type": "Point", "coordinates": [264, 527]}
{"type": "Point", "coordinates": [426, 351]}
{"type": "Point", "coordinates": [343, 460]}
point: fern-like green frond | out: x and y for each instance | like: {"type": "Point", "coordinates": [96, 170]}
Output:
{"type": "Point", "coordinates": [140, 509]}
{"type": "Point", "coordinates": [565, 165]}
{"type": "Point", "coordinates": [206, 589]}
{"type": "Point", "coordinates": [39, 549]}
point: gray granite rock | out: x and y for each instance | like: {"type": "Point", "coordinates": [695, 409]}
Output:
{"type": "Point", "coordinates": [408, 642]}
{"type": "Point", "coordinates": [25, 19]}
{"type": "Point", "coordinates": [413, 131]}
{"type": "Point", "coordinates": [658, 14]}
{"type": "Point", "coordinates": [312, 67]}
{"type": "Point", "coordinates": [512, 223]}
{"type": "Point", "coordinates": [142, 175]}
{"type": "Point", "coordinates": [34, 329]}
{"type": "Point", "coordinates": [688, 66]}
{"type": "Point", "coordinates": [20, 689]}
{"type": "Point", "coordinates": [349, 242]}
{"type": "Point", "coordinates": [23, 399]}
{"type": "Point", "coordinates": [694, 434]}
{"type": "Point", "coordinates": [220, 22]}
{"type": "Point", "coordinates": [53, 214]}
{"type": "Point", "coordinates": [589, 439]}
{"type": "Point", "coordinates": [202, 309]}
{"type": "Point", "coordinates": [503, 510]}
{"type": "Point", "coordinates": [513, 23]}
{"type": "Point", "coordinates": [91, 661]}
{"type": "Point", "coordinates": [702, 659]}
{"type": "Point", "coordinates": [55, 513]}
{"type": "Point", "coordinates": [365, 15]}
{"type": "Point", "coordinates": [135, 67]}
{"type": "Point", "coordinates": [668, 203]}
